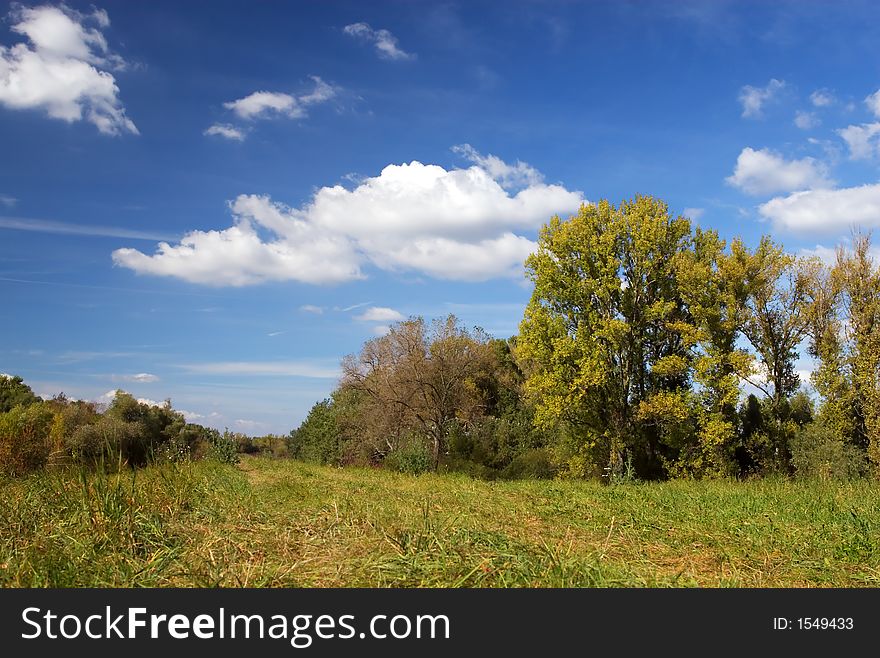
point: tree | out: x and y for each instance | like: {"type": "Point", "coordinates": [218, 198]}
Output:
{"type": "Point", "coordinates": [846, 337]}
{"type": "Point", "coordinates": [713, 285]}
{"type": "Point", "coordinates": [601, 336]}
{"type": "Point", "coordinates": [417, 378]}
{"type": "Point", "coordinates": [14, 392]}
{"type": "Point", "coordinates": [778, 287]}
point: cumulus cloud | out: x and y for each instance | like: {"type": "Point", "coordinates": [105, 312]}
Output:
{"type": "Point", "coordinates": [450, 224]}
{"type": "Point", "coordinates": [753, 99]}
{"type": "Point", "coordinates": [806, 120]}
{"type": "Point", "coordinates": [873, 103]}
{"type": "Point", "coordinates": [311, 308]}
{"type": "Point", "coordinates": [824, 211]}
{"type": "Point", "coordinates": [263, 104]}
{"type": "Point", "coordinates": [821, 98]}
{"type": "Point", "coordinates": [62, 68]}
{"type": "Point", "coordinates": [765, 172]}
{"type": "Point", "coordinates": [384, 42]}
{"type": "Point", "coordinates": [863, 141]}
{"type": "Point", "coordinates": [380, 314]}
{"type": "Point", "coordinates": [225, 130]}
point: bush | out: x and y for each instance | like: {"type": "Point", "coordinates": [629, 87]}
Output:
{"type": "Point", "coordinates": [318, 437]}
{"type": "Point", "coordinates": [25, 440]}
{"type": "Point", "coordinates": [816, 452]}
{"type": "Point", "coordinates": [531, 465]}
{"type": "Point", "coordinates": [224, 448]}
{"type": "Point", "coordinates": [106, 441]}
{"type": "Point", "coordinates": [412, 457]}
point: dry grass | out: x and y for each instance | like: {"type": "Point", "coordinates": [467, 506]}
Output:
{"type": "Point", "coordinates": [278, 523]}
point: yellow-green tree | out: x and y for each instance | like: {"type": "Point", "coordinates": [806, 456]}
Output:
{"type": "Point", "coordinates": [602, 333]}
{"type": "Point", "coordinates": [713, 285]}
{"type": "Point", "coordinates": [845, 336]}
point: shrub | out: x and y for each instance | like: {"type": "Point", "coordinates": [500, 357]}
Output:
{"type": "Point", "coordinates": [412, 457]}
{"type": "Point", "coordinates": [224, 448]}
{"type": "Point", "coordinates": [25, 440]}
{"type": "Point", "coordinates": [816, 452]}
{"type": "Point", "coordinates": [531, 465]}
{"type": "Point", "coordinates": [108, 440]}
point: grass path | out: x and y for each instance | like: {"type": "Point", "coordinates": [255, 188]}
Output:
{"type": "Point", "coordinates": [283, 523]}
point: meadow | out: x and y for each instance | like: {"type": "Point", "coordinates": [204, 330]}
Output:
{"type": "Point", "coordinates": [283, 523]}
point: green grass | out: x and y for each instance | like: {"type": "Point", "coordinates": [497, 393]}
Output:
{"type": "Point", "coordinates": [284, 524]}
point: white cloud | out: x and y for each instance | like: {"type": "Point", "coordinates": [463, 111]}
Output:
{"type": "Point", "coordinates": [694, 213]}
{"type": "Point", "coordinates": [62, 228]}
{"type": "Point", "coordinates": [380, 314]}
{"type": "Point", "coordinates": [141, 377]}
{"type": "Point", "coordinates": [806, 120]}
{"type": "Point", "coordinates": [8, 201]}
{"type": "Point", "coordinates": [225, 130]}
{"type": "Point", "coordinates": [383, 40]}
{"type": "Point", "coordinates": [873, 103]}
{"type": "Point", "coordinates": [309, 369]}
{"type": "Point", "coordinates": [753, 99]}
{"type": "Point", "coordinates": [826, 210]}
{"type": "Point", "coordinates": [863, 141]}
{"type": "Point", "coordinates": [515, 176]}
{"type": "Point", "coordinates": [828, 255]}
{"type": "Point", "coordinates": [450, 224]}
{"type": "Point", "coordinates": [59, 70]}
{"type": "Point", "coordinates": [821, 98]}
{"type": "Point", "coordinates": [381, 330]}
{"type": "Point", "coordinates": [311, 308]}
{"type": "Point", "coordinates": [262, 104]}
{"type": "Point", "coordinates": [150, 403]}
{"type": "Point", "coordinates": [765, 172]}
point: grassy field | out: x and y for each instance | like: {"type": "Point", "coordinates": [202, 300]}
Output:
{"type": "Point", "coordinates": [280, 523]}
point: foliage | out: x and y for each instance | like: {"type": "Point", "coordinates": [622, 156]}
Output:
{"type": "Point", "coordinates": [317, 439]}
{"type": "Point", "coordinates": [224, 448]}
{"type": "Point", "coordinates": [14, 392]}
{"type": "Point", "coordinates": [412, 456]}
{"type": "Point", "coordinates": [417, 378]}
{"type": "Point", "coordinates": [817, 452]}
{"type": "Point", "coordinates": [604, 335]}
{"type": "Point", "coordinates": [25, 441]}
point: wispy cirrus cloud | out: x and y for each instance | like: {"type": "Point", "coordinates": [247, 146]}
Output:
{"type": "Point", "coordinates": [226, 131]}
{"type": "Point", "coordinates": [264, 104]}
{"type": "Point", "coordinates": [63, 228]}
{"type": "Point", "coordinates": [385, 43]}
{"type": "Point", "coordinates": [306, 368]}
{"type": "Point", "coordinates": [754, 99]}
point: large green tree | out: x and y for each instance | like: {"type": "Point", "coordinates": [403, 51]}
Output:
{"type": "Point", "coordinates": [602, 333]}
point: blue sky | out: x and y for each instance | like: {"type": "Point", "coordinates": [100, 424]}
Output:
{"type": "Point", "coordinates": [215, 201]}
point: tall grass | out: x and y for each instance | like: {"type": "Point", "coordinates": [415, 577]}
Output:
{"type": "Point", "coordinates": [284, 523]}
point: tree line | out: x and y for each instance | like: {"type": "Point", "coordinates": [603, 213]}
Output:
{"type": "Point", "coordinates": [650, 349]}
